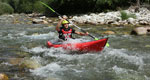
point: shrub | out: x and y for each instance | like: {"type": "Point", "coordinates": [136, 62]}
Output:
{"type": "Point", "coordinates": [38, 7]}
{"type": "Point", "coordinates": [14, 4]}
{"type": "Point", "coordinates": [125, 16]}
{"type": "Point", "coordinates": [5, 8]}
{"type": "Point", "coordinates": [25, 7]}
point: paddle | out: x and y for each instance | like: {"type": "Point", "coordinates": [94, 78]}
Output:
{"type": "Point", "coordinates": [72, 23]}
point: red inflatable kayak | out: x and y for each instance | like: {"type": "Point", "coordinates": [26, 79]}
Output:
{"type": "Point", "coordinates": [92, 46]}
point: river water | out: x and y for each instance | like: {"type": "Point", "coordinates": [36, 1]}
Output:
{"type": "Point", "coordinates": [127, 58]}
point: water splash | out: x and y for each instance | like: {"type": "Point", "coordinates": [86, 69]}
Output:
{"type": "Point", "coordinates": [50, 70]}
{"type": "Point", "coordinates": [78, 65]}
{"type": "Point", "coordinates": [41, 36]}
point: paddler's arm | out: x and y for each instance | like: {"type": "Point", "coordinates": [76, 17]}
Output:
{"type": "Point", "coordinates": [59, 24]}
{"type": "Point", "coordinates": [82, 34]}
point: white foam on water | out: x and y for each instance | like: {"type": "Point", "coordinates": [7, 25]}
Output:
{"type": "Point", "coordinates": [22, 33]}
{"type": "Point", "coordinates": [57, 69]}
{"type": "Point", "coordinates": [10, 36]}
{"type": "Point", "coordinates": [6, 63]}
{"type": "Point", "coordinates": [41, 36]}
{"type": "Point", "coordinates": [129, 73]}
{"type": "Point", "coordinates": [119, 70]}
{"type": "Point", "coordinates": [59, 53]}
{"type": "Point", "coordinates": [75, 41]}
{"type": "Point", "coordinates": [37, 58]}
{"type": "Point", "coordinates": [37, 50]}
{"type": "Point", "coordinates": [49, 70]}
{"type": "Point", "coordinates": [78, 63]}
{"type": "Point", "coordinates": [15, 35]}
{"type": "Point", "coordinates": [123, 54]}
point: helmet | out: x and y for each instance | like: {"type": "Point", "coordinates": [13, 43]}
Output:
{"type": "Point", "coordinates": [65, 22]}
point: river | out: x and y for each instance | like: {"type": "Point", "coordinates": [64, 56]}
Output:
{"type": "Point", "coordinates": [127, 58]}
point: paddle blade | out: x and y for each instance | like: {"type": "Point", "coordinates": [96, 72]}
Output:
{"type": "Point", "coordinates": [47, 6]}
{"type": "Point", "coordinates": [96, 39]}
{"type": "Point", "coordinates": [107, 45]}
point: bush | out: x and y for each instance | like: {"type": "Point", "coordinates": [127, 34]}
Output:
{"type": "Point", "coordinates": [38, 7]}
{"type": "Point", "coordinates": [25, 7]}
{"type": "Point", "coordinates": [5, 8]}
{"type": "Point", "coordinates": [125, 16]}
{"type": "Point", "coordinates": [14, 4]}
{"type": "Point", "coordinates": [67, 6]}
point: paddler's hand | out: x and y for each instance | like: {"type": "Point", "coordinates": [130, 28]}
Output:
{"type": "Point", "coordinates": [86, 34]}
{"type": "Point", "coordinates": [60, 17]}
{"type": "Point", "coordinates": [63, 17]}
{"type": "Point", "coordinates": [81, 33]}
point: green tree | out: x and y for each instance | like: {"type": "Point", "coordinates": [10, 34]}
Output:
{"type": "Point", "coordinates": [5, 8]}
{"type": "Point", "coordinates": [38, 7]}
{"type": "Point", "coordinates": [25, 6]}
{"type": "Point", "coordinates": [14, 4]}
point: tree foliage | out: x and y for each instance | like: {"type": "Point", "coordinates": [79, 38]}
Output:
{"type": "Point", "coordinates": [125, 16]}
{"type": "Point", "coordinates": [5, 8]}
{"type": "Point", "coordinates": [68, 6]}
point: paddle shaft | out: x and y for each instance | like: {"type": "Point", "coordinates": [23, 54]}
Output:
{"type": "Point", "coordinates": [83, 30]}
{"type": "Point", "coordinates": [50, 8]}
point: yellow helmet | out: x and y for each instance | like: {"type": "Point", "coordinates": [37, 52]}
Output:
{"type": "Point", "coordinates": [65, 22]}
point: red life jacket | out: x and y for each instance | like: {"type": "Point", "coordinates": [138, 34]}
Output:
{"type": "Point", "coordinates": [67, 34]}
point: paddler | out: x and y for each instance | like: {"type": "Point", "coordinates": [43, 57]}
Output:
{"type": "Point", "coordinates": [65, 32]}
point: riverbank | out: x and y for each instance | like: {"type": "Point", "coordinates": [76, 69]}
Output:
{"type": "Point", "coordinates": [139, 18]}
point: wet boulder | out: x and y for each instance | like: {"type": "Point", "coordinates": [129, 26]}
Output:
{"type": "Point", "coordinates": [3, 76]}
{"type": "Point", "coordinates": [30, 63]}
{"type": "Point", "coordinates": [39, 21]}
{"type": "Point", "coordinates": [15, 61]}
{"type": "Point", "coordinates": [132, 21]}
{"type": "Point", "coordinates": [109, 32]}
{"type": "Point", "coordinates": [141, 31]}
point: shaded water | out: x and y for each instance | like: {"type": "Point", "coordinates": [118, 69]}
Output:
{"type": "Point", "coordinates": [127, 58]}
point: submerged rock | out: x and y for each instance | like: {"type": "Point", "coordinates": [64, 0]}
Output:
{"type": "Point", "coordinates": [147, 46]}
{"type": "Point", "coordinates": [109, 32]}
{"type": "Point", "coordinates": [3, 76]}
{"type": "Point", "coordinates": [31, 63]}
{"type": "Point", "coordinates": [15, 61]}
